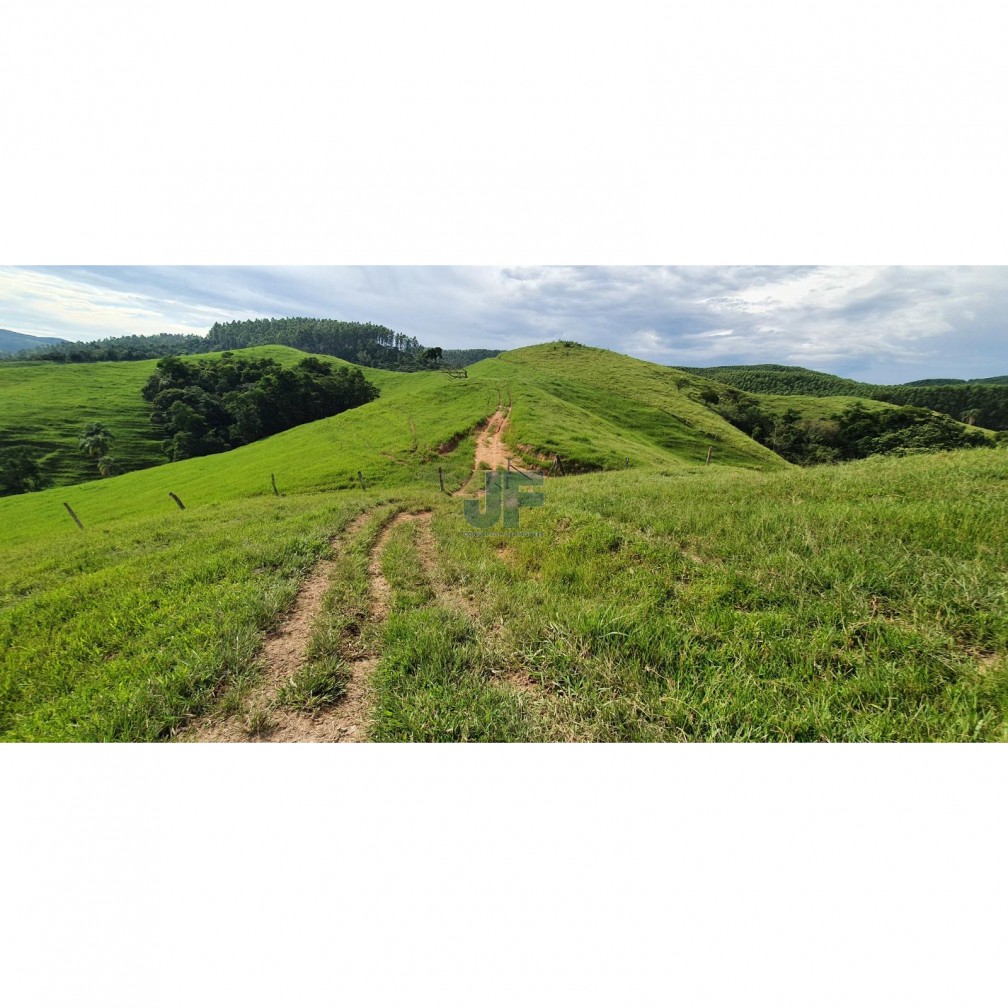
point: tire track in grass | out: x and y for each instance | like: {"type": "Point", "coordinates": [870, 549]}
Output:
{"type": "Point", "coordinates": [347, 720]}
{"type": "Point", "coordinates": [453, 597]}
{"type": "Point", "coordinates": [448, 674]}
{"type": "Point", "coordinates": [263, 716]}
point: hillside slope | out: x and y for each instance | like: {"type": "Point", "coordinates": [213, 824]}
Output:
{"type": "Point", "coordinates": [14, 342]}
{"type": "Point", "coordinates": [846, 603]}
{"type": "Point", "coordinates": [593, 407]}
{"type": "Point", "coordinates": [46, 405]}
{"type": "Point", "coordinates": [981, 401]}
{"type": "Point", "coordinates": [598, 408]}
{"type": "Point", "coordinates": [657, 599]}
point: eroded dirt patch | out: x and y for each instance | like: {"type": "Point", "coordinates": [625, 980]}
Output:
{"type": "Point", "coordinates": [490, 448]}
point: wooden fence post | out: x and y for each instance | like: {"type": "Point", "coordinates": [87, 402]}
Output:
{"type": "Point", "coordinates": [440, 476]}
{"type": "Point", "coordinates": [174, 497]}
{"type": "Point", "coordinates": [559, 463]}
{"type": "Point", "coordinates": [626, 465]}
{"type": "Point", "coordinates": [273, 481]}
{"type": "Point", "coordinates": [709, 450]}
{"type": "Point", "coordinates": [360, 479]}
{"type": "Point", "coordinates": [72, 515]}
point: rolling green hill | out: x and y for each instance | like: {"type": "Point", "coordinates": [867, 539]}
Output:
{"type": "Point", "coordinates": [815, 430]}
{"type": "Point", "coordinates": [597, 408]}
{"type": "Point", "coordinates": [823, 407]}
{"type": "Point", "coordinates": [981, 401]}
{"type": "Point", "coordinates": [649, 597]}
{"type": "Point", "coordinates": [593, 407]}
{"type": "Point", "coordinates": [46, 405]}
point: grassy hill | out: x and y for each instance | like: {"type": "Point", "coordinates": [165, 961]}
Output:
{"type": "Point", "coordinates": [984, 400]}
{"type": "Point", "coordinates": [565, 401]}
{"type": "Point", "coordinates": [597, 408]}
{"type": "Point", "coordinates": [46, 405]}
{"type": "Point", "coordinates": [823, 407]}
{"type": "Point", "coordinates": [664, 600]}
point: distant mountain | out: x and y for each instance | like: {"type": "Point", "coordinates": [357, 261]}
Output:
{"type": "Point", "coordinates": [997, 380]}
{"type": "Point", "coordinates": [11, 342]}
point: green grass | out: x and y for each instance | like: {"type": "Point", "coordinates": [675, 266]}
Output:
{"type": "Point", "coordinates": [124, 635]}
{"type": "Point", "coordinates": [597, 408]}
{"type": "Point", "coordinates": [376, 439]}
{"type": "Point", "coordinates": [434, 681]}
{"type": "Point", "coordinates": [810, 407]}
{"type": "Point", "coordinates": [667, 601]}
{"type": "Point", "coordinates": [594, 407]}
{"type": "Point", "coordinates": [848, 603]}
{"type": "Point", "coordinates": [47, 405]}
{"type": "Point", "coordinates": [578, 403]}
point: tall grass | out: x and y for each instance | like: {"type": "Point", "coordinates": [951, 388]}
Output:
{"type": "Point", "coordinates": [861, 602]}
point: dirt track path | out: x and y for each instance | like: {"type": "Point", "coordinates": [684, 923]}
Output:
{"type": "Point", "coordinates": [284, 653]}
{"type": "Point", "coordinates": [490, 448]}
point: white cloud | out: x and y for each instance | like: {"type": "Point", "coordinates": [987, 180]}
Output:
{"type": "Point", "coordinates": [875, 322]}
{"type": "Point", "coordinates": [44, 304]}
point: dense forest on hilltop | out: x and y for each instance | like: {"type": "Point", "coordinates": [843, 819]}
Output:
{"type": "Point", "coordinates": [364, 343]}
{"type": "Point", "coordinates": [359, 342]}
{"type": "Point", "coordinates": [995, 380]}
{"type": "Point", "coordinates": [208, 406]}
{"type": "Point", "coordinates": [119, 348]}
{"type": "Point", "coordinates": [983, 402]}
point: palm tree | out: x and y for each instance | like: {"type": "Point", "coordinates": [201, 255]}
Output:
{"type": "Point", "coordinates": [109, 466]}
{"type": "Point", "coordinates": [95, 440]}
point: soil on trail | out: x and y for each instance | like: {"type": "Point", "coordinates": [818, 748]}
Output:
{"type": "Point", "coordinates": [283, 654]}
{"type": "Point", "coordinates": [490, 448]}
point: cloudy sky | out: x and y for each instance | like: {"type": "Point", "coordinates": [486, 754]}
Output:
{"type": "Point", "coordinates": [894, 323]}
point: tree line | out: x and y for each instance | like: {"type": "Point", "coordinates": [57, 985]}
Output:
{"type": "Point", "coordinates": [117, 348]}
{"type": "Point", "coordinates": [358, 342]}
{"type": "Point", "coordinates": [202, 407]}
{"type": "Point", "coordinates": [363, 343]}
